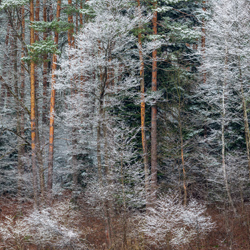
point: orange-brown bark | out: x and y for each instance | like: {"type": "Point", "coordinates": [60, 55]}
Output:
{"type": "Point", "coordinates": [143, 111]}
{"type": "Point", "coordinates": [52, 115]}
{"type": "Point", "coordinates": [33, 108]}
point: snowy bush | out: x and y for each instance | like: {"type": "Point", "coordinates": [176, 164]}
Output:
{"type": "Point", "coordinates": [49, 227]}
{"type": "Point", "coordinates": [171, 223]}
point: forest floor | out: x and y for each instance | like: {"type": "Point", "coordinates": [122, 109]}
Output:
{"type": "Point", "coordinates": [231, 231]}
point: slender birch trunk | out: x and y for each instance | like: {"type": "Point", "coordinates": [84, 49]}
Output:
{"type": "Point", "coordinates": [52, 113]}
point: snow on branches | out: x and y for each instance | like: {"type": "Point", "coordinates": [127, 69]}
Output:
{"type": "Point", "coordinates": [53, 226]}
{"type": "Point", "coordinates": [171, 223]}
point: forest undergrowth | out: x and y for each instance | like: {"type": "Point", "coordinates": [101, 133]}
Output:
{"type": "Point", "coordinates": [231, 231]}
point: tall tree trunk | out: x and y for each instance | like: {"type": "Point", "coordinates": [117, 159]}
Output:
{"type": "Point", "coordinates": [73, 92]}
{"type": "Point", "coordinates": [21, 148]}
{"type": "Point", "coordinates": [38, 142]}
{"type": "Point", "coordinates": [3, 88]}
{"type": "Point", "coordinates": [18, 110]}
{"type": "Point", "coordinates": [71, 30]}
{"type": "Point", "coordinates": [37, 12]}
{"type": "Point", "coordinates": [52, 113]}
{"type": "Point", "coordinates": [33, 110]}
{"type": "Point", "coordinates": [143, 113]}
{"type": "Point", "coordinates": [45, 70]}
{"type": "Point", "coordinates": [154, 116]}
{"type": "Point", "coordinates": [204, 79]}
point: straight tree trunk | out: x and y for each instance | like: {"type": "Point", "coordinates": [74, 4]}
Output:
{"type": "Point", "coordinates": [71, 31]}
{"type": "Point", "coordinates": [4, 90]}
{"type": "Point", "coordinates": [154, 116]}
{"type": "Point", "coordinates": [73, 92]}
{"type": "Point", "coordinates": [45, 70]}
{"type": "Point", "coordinates": [52, 113]}
{"type": "Point", "coordinates": [37, 11]}
{"type": "Point", "coordinates": [21, 148]}
{"type": "Point", "coordinates": [99, 128]}
{"type": "Point", "coordinates": [38, 143]}
{"type": "Point", "coordinates": [33, 110]}
{"type": "Point", "coordinates": [143, 112]}
{"type": "Point", "coordinates": [18, 113]}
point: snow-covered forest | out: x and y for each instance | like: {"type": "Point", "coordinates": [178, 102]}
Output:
{"type": "Point", "coordinates": [124, 124]}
